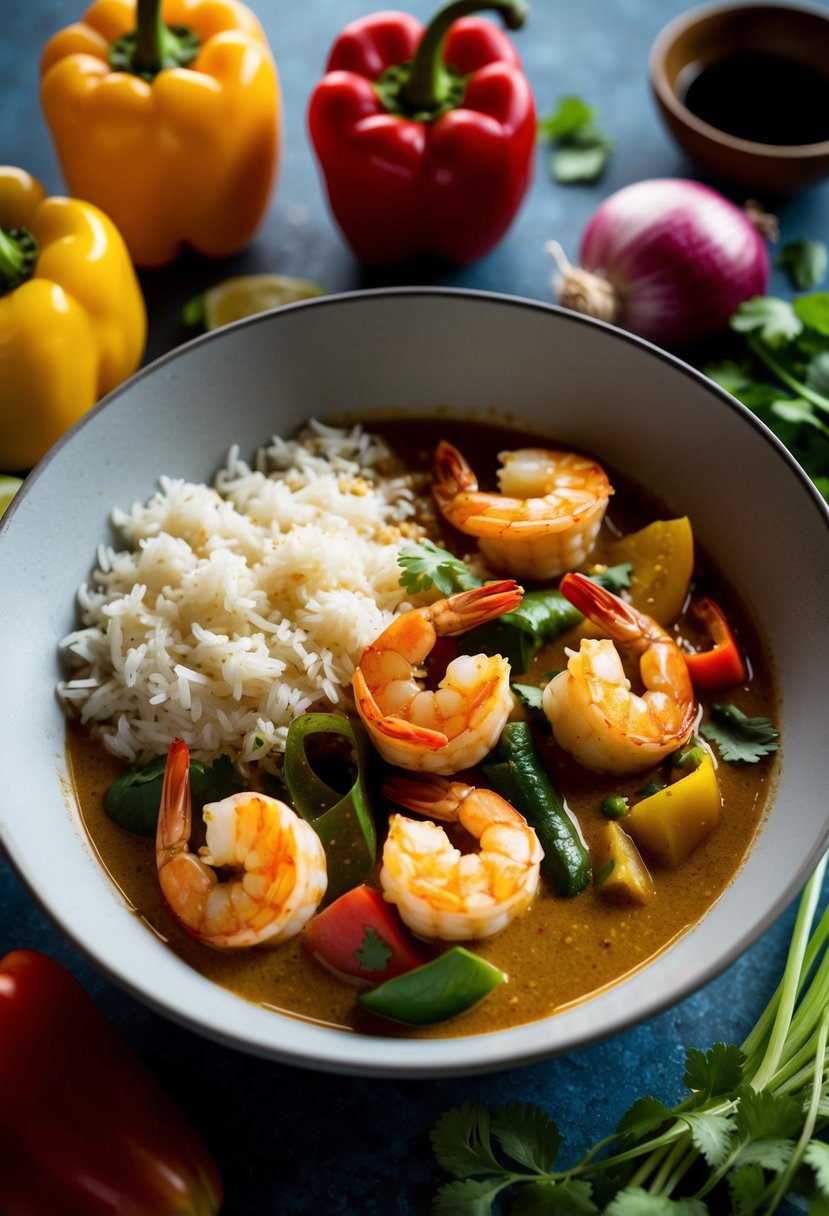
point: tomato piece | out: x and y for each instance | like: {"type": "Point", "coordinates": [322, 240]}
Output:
{"type": "Point", "coordinates": [361, 937]}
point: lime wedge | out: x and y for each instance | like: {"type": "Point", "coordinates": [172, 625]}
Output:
{"type": "Point", "coordinates": [8, 488]}
{"type": "Point", "coordinates": [247, 294]}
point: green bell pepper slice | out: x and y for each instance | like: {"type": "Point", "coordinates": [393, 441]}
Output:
{"type": "Point", "coordinates": [441, 989]}
{"type": "Point", "coordinates": [343, 822]}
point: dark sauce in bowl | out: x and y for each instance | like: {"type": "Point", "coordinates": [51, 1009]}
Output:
{"type": "Point", "coordinates": [758, 96]}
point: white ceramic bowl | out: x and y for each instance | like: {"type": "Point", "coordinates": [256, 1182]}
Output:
{"type": "Point", "coordinates": [483, 356]}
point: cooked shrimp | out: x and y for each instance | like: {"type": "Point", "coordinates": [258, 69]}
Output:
{"type": "Point", "coordinates": [594, 714]}
{"type": "Point", "coordinates": [457, 724]}
{"type": "Point", "coordinates": [441, 892]}
{"type": "Point", "coordinates": [544, 520]}
{"type": "Point", "coordinates": [283, 873]}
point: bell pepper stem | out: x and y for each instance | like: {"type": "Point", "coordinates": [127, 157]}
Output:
{"type": "Point", "coordinates": [429, 82]}
{"type": "Point", "coordinates": [18, 253]}
{"type": "Point", "coordinates": [153, 46]}
{"type": "Point", "coordinates": [152, 37]}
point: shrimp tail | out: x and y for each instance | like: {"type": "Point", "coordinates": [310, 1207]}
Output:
{"type": "Point", "coordinates": [390, 726]}
{"type": "Point", "coordinates": [601, 606]}
{"type": "Point", "coordinates": [175, 813]}
{"type": "Point", "coordinates": [462, 612]}
{"type": "Point", "coordinates": [453, 475]}
{"type": "Point", "coordinates": [428, 795]}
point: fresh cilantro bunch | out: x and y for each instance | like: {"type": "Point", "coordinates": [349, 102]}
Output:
{"type": "Point", "coordinates": [782, 374]}
{"type": "Point", "coordinates": [748, 1135]}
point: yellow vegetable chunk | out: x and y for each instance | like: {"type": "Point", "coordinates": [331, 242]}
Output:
{"type": "Point", "coordinates": [662, 555]}
{"type": "Point", "coordinates": [621, 874]}
{"type": "Point", "coordinates": [670, 824]}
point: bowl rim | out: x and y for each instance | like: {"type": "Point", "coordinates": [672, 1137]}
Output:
{"type": "Point", "coordinates": [397, 1057]}
{"type": "Point", "coordinates": [667, 96]}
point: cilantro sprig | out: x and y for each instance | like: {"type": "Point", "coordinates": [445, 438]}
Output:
{"type": "Point", "coordinates": [427, 565]}
{"type": "Point", "coordinates": [781, 373]}
{"type": "Point", "coordinates": [749, 1134]}
{"type": "Point", "coordinates": [740, 739]}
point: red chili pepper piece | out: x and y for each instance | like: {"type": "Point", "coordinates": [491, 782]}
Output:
{"type": "Point", "coordinates": [723, 665]}
{"type": "Point", "coordinates": [361, 937]}
{"type": "Point", "coordinates": [425, 138]}
{"type": "Point", "coordinates": [85, 1130]}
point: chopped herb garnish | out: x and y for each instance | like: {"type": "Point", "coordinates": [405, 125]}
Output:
{"type": "Point", "coordinates": [374, 951]}
{"type": "Point", "coordinates": [428, 565]}
{"type": "Point", "coordinates": [529, 694]}
{"type": "Point", "coordinates": [740, 740]}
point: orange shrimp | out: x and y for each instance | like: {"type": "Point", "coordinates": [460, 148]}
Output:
{"type": "Point", "coordinates": [595, 715]}
{"type": "Point", "coordinates": [544, 520]}
{"type": "Point", "coordinates": [278, 861]}
{"type": "Point", "coordinates": [457, 724]}
{"type": "Point", "coordinates": [441, 892]}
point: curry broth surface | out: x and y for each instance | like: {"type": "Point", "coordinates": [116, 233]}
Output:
{"type": "Point", "coordinates": [562, 950]}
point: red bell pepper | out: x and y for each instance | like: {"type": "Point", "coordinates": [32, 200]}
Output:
{"type": "Point", "coordinates": [722, 665]}
{"type": "Point", "coordinates": [85, 1130]}
{"type": "Point", "coordinates": [425, 138]}
{"type": "Point", "coordinates": [361, 938]}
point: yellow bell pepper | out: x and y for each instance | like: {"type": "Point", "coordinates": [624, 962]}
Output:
{"type": "Point", "coordinates": [671, 823]}
{"type": "Point", "coordinates": [663, 562]}
{"type": "Point", "coordinates": [170, 126]}
{"type": "Point", "coordinates": [72, 317]}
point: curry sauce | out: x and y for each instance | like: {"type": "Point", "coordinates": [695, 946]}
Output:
{"type": "Point", "coordinates": [562, 950]}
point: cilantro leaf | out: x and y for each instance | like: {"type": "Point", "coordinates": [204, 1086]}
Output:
{"type": "Point", "coordinates": [461, 1142]}
{"type": "Point", "coordinates": [428, 565]}
{"type": "Point", "coordinates": [762, 1115]}
{"type": "Point", "coordinates": [816, 1154]}
{"type": "Point", "coordinates": [806, 262]}
{"type": "Point", "coordinates": [813, 311]}
{"type": "Point", "coordinates": [645, 1116]}
{"type": "Point", "coordinates": [711, 1134]}
{"type": "Point", "coordinates": [571, 115]}
{"type": "Point", "coordinates": [817, 373]}
{"type": "Point", "coordinates": [374, 951]}
{"type": "Point", "coordinates": [581, 162]}
{"type": "Point", "coordinates": [544, 1198]}
{"type": "Point", "coordinates": [774, 320]}
{"type": "Point", "coordinates": [527, 1135]}
{"type": "Point", "coordinates": [748, 1187]}
{"type": "Point", "coordinates": [471, 1197]}
{"type": "Point", "coordinates": [718, 1071]}
{"type": "Point", "coordinates": [529, 694]}
{"type": "Point", "coordinates": [770, 1154]}
{"type": "Point", "coordinates": [582, 148]}
{"type": "Point", "coordinates": [634, 1201]}
{"type": "Point", "coordinates": [741, 740]}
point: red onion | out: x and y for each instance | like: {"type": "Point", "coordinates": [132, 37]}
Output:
{"type": "Point", "coordinates": [668, 259]}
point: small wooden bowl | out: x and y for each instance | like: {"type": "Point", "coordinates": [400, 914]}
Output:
{"type": "Point", "coordinates": [700, 37]}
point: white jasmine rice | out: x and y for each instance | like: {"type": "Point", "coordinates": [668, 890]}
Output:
{"type": "Point", "coordinates": [231, 609]}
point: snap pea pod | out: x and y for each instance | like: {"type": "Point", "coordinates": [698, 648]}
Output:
{"type": "Point", "coordinates": [519, 776]}
{"type": "Point", "coordinates": [541, 616]}
{"type": "Point", "coordinates": [441, 989]}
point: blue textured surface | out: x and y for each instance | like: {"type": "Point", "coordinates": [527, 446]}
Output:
{"type": "Point", "coordinates": [291, 1142]}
